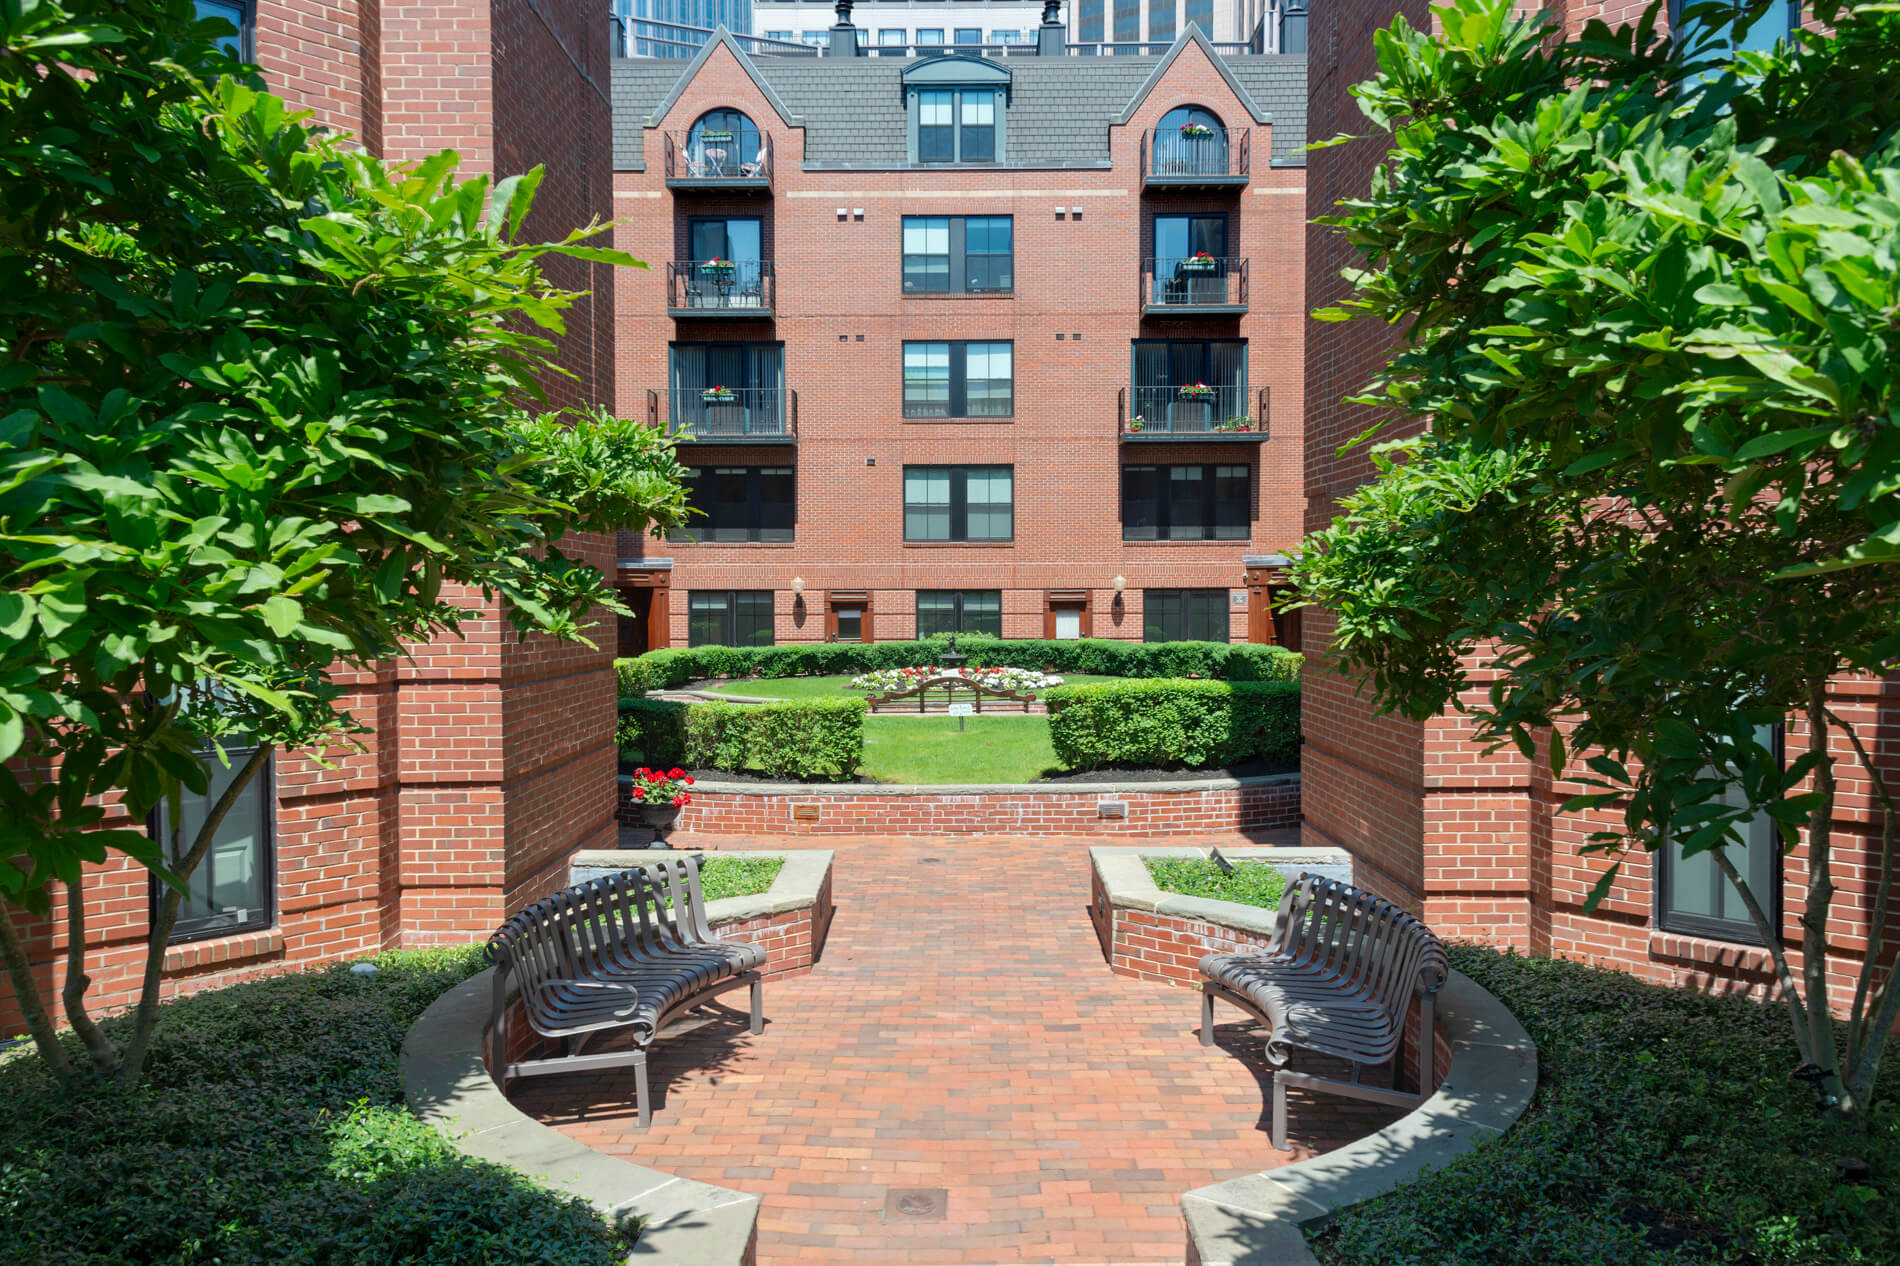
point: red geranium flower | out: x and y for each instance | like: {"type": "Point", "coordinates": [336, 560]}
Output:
{"type": "Point", "coordinates": [676, 772]}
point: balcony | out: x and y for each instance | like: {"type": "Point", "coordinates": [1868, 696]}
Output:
{"type": "Point", "coordinates": [1202, 286]}
{"type": "Point", "coordinates": [716, 165]}
{"type": "Point", "coordinates": [719, 289]}
{"type": "Point", "coordinates": [738, 415]}
{"type": "Point", "coordinates": [1154, 413]}
{"type": "Point", "coordinates": [1171, 160]}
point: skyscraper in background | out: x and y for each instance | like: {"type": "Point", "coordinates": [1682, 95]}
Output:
{"type": "Point", "coordinates": [648, 26]}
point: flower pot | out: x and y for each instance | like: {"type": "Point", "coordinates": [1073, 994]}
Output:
{"type": "Point", "coordinates": [1198, 265]}
{"type": "Point", "coordinates": [717, 397]}
{"type": "Point", "coordinates": [659, 817]}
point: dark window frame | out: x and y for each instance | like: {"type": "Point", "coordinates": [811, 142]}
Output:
{"type": "Point", "coordinates": [246, 27]}
{"type": "Point", "coordinates": [960, 618]}
{"type": "Point", "coordinates": [1186, 619]}
{"type": "Point", "coordinates": [729, 631]}
{"type": "Point", "coordinates": [1792, 9]}
{"type": "Point", "coordinates": [958, 405]}
{"type": "Point", "coordinates": [960, 145]}
{"type": "Point", "coordinates": [957, 257]}
{"type": "Point", "coordinates": [264, 782]}
{"type": "Point", "coordinates": [1713, 928]}
{"type": "Point", "coordinates": [1164, 504]}
{"type": "Point", "coordinates": [959, 505]}
{"type": "Point", "coordinates": [755, 507]}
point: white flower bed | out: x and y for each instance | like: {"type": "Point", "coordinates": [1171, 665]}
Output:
{"type": "Point", "coordinates": [1020, 680]}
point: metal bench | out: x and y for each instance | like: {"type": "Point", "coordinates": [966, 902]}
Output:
{"type": "Point", "coordinates": [608, 956]}
{"type": "Point", "coordinates": [1337, 978]}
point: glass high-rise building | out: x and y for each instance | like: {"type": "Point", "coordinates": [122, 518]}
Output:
{"type": "Point", "coordinates": [650, 25]}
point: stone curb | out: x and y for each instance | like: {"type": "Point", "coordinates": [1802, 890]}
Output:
{"type": "Point", "coordinates": [1098, 789]}
{"type": "Point", "coordinates": [1259, 1220]}
{"type": "Point", "coordinates": [447, 1084]}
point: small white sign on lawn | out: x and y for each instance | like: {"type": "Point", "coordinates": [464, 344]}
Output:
{"type": "Point", "coordinates": [962, 709]}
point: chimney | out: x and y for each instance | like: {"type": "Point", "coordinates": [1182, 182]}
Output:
{"type": "Point", "coordinates": [844, 36]}
{"type": "Point", "coordinates": [1052, 38]}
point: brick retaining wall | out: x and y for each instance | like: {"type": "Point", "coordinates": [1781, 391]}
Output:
{"type": "Point", "coordinates": [1251, 805]}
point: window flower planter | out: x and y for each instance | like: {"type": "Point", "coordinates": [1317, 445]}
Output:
{"type": "Point", "coordinates": [713, 134]}
{"type": "Point", "coordinates": [1233, 425]}
{"type": "Point", "coordinates": [717, 395]}
{"type": "Point", "coordinates": [1136, 423]}
{"type": "Point", "coordinates": [1196, 131]}
{"type": "Point", "coordinates": [1201, 263]}
{"type": "Point", "coordinates": [716, 267]}
{"type": "Point", "coordinates": [1197, 391]}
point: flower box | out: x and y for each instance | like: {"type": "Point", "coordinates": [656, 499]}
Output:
{"type": "Point", "coordinates": [1197, 391]}
{"type": "Point", "coordinates": [715, 134]}
{"type": "Point", "coordinates": [1196, 131]}
{"type": "Point", "coordinates": [717, 395]}
{"type": "Point", "coordinates": [716, 267]}
{"type": "Point", "coordinates": [1201, 263]}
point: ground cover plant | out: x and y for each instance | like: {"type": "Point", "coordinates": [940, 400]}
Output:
{"type": "Point", "coordinates": [932, 750]}
{"type": "Point", "coordinates": [1665, 1131]}
{"type": "Point", "coordinates": [262, 410]}
{"type": "Point", "coordinates": [737, 876]}
{"type": "Point", "coordinates": [270, 1131]}
{"type": "Point", "coordinates": [1249, 883]}
{"type": "Point", "coordinates": [1649, 303]}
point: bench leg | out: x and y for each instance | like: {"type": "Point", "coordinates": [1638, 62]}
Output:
{"type": "Point", "coordinates": [1279, 1110]}
{"type": "Point", "coordinates": [640, 1089]}
{"type": "Point", "coordinates": [758, 1006]}
{"type": "Point", "coordinates": [1207, 1016]}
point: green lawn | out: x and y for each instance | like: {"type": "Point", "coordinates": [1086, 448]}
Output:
{"type": "Point", "coordinates": [930, 750]}
{"type": "Point", "coordinates": [737, 876]}
{"type": "Point", "coordinates": [826, 687]}
{"type": "Point", "coordinates": [1252, 883]}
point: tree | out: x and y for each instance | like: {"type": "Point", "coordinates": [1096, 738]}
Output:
{"type": "Point", "coordinates": [261, 416]}
{"type": "Point", "coordinates": [1652, 310]}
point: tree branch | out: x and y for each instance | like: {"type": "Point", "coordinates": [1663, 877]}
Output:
{"type": "Point", "coordinates": [1865, 1041]}
{"type": "Point", "coordinates": [1820, 892]}
{"type": "Point", "coordinates": [1771, 938]}
{"type": "Point", "coordinates": [32, 1006]}
{"type": "Point", "coordinates": [146, 1016]}
{"type": "Point", "coordinates": [105, 1056]}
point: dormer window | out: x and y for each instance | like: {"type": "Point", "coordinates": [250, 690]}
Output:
{"type": "Point", "coordinates": [725, 142]}
{"type": "Point", "coordinates": [956, 107]}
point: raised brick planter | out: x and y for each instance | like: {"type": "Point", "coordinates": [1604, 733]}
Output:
{"type": "Point", "coordinates": [1205, 807]}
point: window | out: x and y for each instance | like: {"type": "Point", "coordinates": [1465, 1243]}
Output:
{"type": "Point", "coordinates": [786, 36]}
{"type": "Point", "coordinates": [1201, 14]}
{"type": "Point", "coordinates": [930, 35]}
{"type": "Point", "coordinates": [958, 254]}
{"type": "Point", "coordinates": [1694, 897]}
{"type": "Point", "coordinates": [753, 375]}
{"type": "Point", "coordinates": [959, 380]}
{"type": "Point", "coordinates": [741, 503]}
{"type": "Point", "coordinates": [1781, 18]}
{"type": "Point", "coordinates": [1178, 153]}
{"type": "Point", "coordinates": [1162, 367]}
{"type": "Point", "coordinates": [1090, 24]}
{"type": "Point", "coordinates": [959, 503]}
{"type": "Point", "coordinates": [968, 35]}
{"type": "Point", "coordinates": [1184, 615]}
{"type": "Point", "coordinates": [1185, 503]}
{"type": "Point", "coordinates": [232, 888]}
{"type": "Point", "coordinates": [959, 611]}
{"type": "Point", "coordinates": [1161, 21]}
{"type": "Point", "coordinates": [894, 40]}
{"type": "Point", "coordinates": [1127, 21]}
{"type": "Point", "coordinates": [956, 125]}
{"type": "Point", "coordinates": [815, 38]}
{"type": "Point", "coordinates": [1006, 37]}
{"type": "Point", "coordinates": [237, 41]}
{"type": "Point", "coordinates": [735, 617]}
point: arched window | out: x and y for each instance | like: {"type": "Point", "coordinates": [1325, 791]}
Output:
{"type": "Point", "coordinates": [1190, 141]}
{"type": "Point", "coordinates": [725, 142]}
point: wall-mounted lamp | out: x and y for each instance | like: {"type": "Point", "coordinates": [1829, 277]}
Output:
{"type": "Point", "coordinates": [798, 586]}
{"type": "Point", "coordinates": [1121, 583]}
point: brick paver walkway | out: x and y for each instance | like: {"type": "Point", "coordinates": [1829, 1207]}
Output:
{"type": "Point", "coordinates": [962, 1037]}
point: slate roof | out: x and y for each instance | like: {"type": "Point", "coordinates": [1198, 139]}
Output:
{"type": "Point", "coordinates": [1060, 108]}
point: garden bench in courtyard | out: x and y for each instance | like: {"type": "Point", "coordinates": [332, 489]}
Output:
{"type": "Point", "coordinates": [609, 956]}
{"type": "Point", "coordinates": [1338, 978]}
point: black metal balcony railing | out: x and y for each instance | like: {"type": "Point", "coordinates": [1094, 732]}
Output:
{"type": "Point", "coordinates": [1156, 411]}
{"type": "Point", "coordinates": [717, 164]}
{"type": "Point", "coordinates": [734, 415]}
{"type": "Point", "coordinates": [1202, 283]}
{"type": "Point", "coordinates": [732, 287]}
{"type": "Point", "coordinates": [1172, 157]}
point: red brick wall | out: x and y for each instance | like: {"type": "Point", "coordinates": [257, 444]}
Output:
{"type": "Point", "coordinates": [1151, 813]}
{"type": "Point", "coordinates": [1076, 276]}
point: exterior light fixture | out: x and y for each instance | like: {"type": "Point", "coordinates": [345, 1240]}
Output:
{"type": "Point", "coordinates": [798, 586]}
{"type": "Point", "coordinates": [1121, 583]}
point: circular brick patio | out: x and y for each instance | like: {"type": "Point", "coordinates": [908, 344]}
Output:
{"type": "Point", "coordinates": [961, 1079]}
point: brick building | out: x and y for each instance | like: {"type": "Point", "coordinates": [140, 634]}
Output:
{"type": "Point", "coordinates": [491, 760]}
{"type": "Point", "coordinates": [963, 343]}
{"type": "Point", "coordinates": [1477, 843]}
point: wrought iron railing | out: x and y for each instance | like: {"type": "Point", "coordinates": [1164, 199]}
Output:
{"type": "Point", "coordinates": [734, 413]}
{"type": "Point", "coordinates": [1170, 155]}
{"type": "Point", "coordinates": [1197, 281]}
{"type": "Point", "coordinates": [720, 285]}
{"type": "Point", "coordinates": [687, 159]}
{"type": "Point", "coordinates": [1154, 409]}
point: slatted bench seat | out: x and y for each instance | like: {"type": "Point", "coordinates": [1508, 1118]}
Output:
{"type": "Point", "coordinates": [608, 956]}
{"type": "Point", "coordinates": [1338, 978]}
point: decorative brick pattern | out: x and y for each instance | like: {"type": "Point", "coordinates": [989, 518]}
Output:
{"type": "Point", "coordinates": [1254, 809]}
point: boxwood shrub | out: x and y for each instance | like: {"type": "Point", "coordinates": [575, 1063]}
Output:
{"type": "Point", "coordinates": [271, 1129]}
{"type": "Point", "coordinates": [1232, 661]}
{"type": "Point", "coordinates": [804, 739]}
{"type": "Point", "coordinates": [1173, 722]}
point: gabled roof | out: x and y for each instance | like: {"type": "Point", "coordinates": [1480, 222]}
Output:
{"type": "Point", "coordinates": [1193, 35]}
{"type": "Point", "coordinates": [722, 36]}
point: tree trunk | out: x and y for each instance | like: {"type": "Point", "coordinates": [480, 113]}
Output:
{"type": "Point", "coordinates": [105, 1056]}
{"type": "Point", "coordinates": [38, 1022]}
{"type": "Point", "coordinates": [132, 1066]}
{"type": "Point", "coordinates": [1820, 904]}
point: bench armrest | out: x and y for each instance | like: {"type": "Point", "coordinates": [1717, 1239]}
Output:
{"type": "Point", "coordinates": [633, 995]}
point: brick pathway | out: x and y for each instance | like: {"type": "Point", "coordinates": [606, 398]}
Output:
{"type": "Point", "coordinates": [961, 1037]}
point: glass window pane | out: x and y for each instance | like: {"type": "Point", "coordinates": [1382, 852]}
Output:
{"type": "Point", "coordinates": [753, 625]}
{"type": "Point", "coordinates": [777, 504]}
{"type": "Point", "coordinates": [706, 619]}
{"type": "Point", "coordinates": [1141, 503]}
{"type": "Point", "coordinates": [1232, 511]}
{"type": "Point", "coordinates": [1207, 615]}
{"type": "Point", "coordinates": [989, 381]}
{"type": "Point", "coordinates": [927, 380]}
{"type": "Point", "coordinates": [926, 524]}
{"type": "Point", "coordinates": [229, 890]}
{"type": "Point", "coordinates": [1187, 503]}
{"type": "Point", "coordinates": [1160, 615]}
{"type": "Point", "coordinates": [936, 611]}
{"type": "Point", "coordinates": [979, 108]}
{"type": "Point", "coordinates": [983, 612]}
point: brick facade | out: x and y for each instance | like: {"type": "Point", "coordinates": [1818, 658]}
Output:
{"type": "Point", "coordinates": [1078, 238]}
{"type": "Point", "coordinates": [491, 760]}
{"type": "Point", "coordinates": [1255, 809]}
{"type": "Point", "coordinates": [1478, 843]}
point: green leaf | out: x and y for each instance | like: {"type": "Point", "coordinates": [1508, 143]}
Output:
{"type": "Point", "coordinates": [283, 614]}
{"type": "Point", "coordinates": [1601, 888]}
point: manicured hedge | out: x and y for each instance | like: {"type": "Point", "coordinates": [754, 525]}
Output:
{"type": "Point", "coordinates": [1172, 722]}
{"type": "Point", "coordinates": [271, 1128]}
{"type": "Point", "coordinates": [1232, 661]}
{"type": "Point", "coordinates": [805, 739]}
